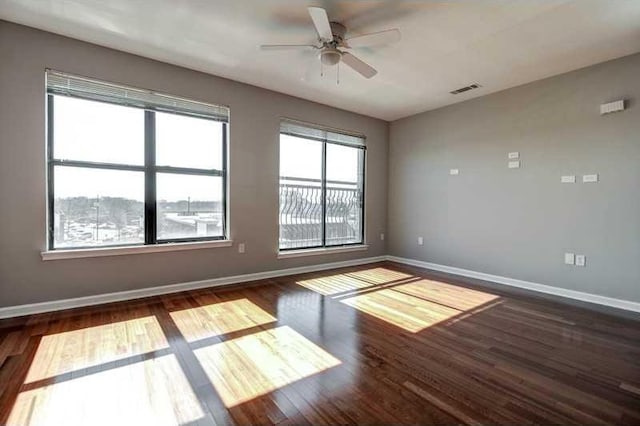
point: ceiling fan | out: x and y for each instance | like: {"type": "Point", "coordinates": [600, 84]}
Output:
{"type": "Point", "coordinates": [331, 39]}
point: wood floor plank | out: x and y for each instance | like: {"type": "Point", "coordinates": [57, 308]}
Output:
{"type": "Point", "coordinates": [376, 344]}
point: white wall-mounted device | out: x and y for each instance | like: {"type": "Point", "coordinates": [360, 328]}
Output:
{"type": "Point", "coordinates": [612, 107]}
{"type": "Point", "coordinates": [569, 259]}
{"type": "Point", "coordinates": [590, 178]}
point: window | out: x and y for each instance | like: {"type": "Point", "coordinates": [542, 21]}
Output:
{"type": "Point", "coordinates": [132, 167]}
{"type": "Point", "coordinates": [321, 187]}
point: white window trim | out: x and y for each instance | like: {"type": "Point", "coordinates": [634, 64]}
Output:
{"type": "Point", "coordinates": [320, 251]}
{"type": "Point", "coordinates": [119, 251]}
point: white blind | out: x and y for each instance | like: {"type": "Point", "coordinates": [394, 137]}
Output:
{"type": "Point", "coordinates": [304, 130]}
{"type": "Point", "coordinates": [71, 85]}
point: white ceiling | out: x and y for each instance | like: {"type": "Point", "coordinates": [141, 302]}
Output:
{"type": "Point", "coordinates": [444, 46]}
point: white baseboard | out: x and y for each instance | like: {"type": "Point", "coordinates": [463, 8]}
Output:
{"type": "Point", "coordinates": [57, 305]}
{"type": "Point", "coordinates": [541, 288]}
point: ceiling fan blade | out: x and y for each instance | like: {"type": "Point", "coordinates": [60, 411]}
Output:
{"type": "Point", "coordinates": [287, 46]}
{"type": "Point", "coordinates": [357, 65]}
{"type": "Point", "coordinates": [321, 22]}
{"type": "Point", "coordinates": [375, 39]}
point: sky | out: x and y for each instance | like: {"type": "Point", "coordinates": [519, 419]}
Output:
{"type": "Point", "coordinates": [99, 132]}
{"type": "Point", "coordinates": [302, 158]}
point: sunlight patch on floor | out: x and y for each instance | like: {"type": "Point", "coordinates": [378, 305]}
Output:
{"type": "Point", "coordinates": [151, 392]}
{"type": "Point", "coordinates": [341, 283]}
{"type": "Point", "coordinates": [379, 275]}
{"type": "Point", "coordinates": [418, 305]}
{"type": "Point", "coordinates": [220, 318]}
{"type": "Point", "coordinates": [450, 295]}
{"type": "Point", "coordinates": [74, 350]}
{"type": "Point", "coordinates": [253, 365]}
{"type": "Point", "coordinates": [408, 312]}
{"type": "Point", "coordinates": [333, 284]}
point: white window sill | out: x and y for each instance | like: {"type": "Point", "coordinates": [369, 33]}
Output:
{"type": "Point", "coordinates": [320, 251]}
{"type": "Point", "coordinates": [120, 251]}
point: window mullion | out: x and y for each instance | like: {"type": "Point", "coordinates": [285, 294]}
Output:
{"type": "Point", "coordinates": [95, 165]}
{"type": "Point", "coordinates": [224, 180]}
{"type": "Point", "coordinates": [150, 221]}
{"type": "Point", "coordinates": [324, 193]}
{"type": "Point", "coordinates": [362, 161]}
{"type": "Point", "coordinates": [189, 171]}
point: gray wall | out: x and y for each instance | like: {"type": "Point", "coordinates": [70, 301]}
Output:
{"type": "Point", "coordinates": [518, 223]}
{"type": "Point", "coordinates": [254, 128]}
{"type": "Point", "coordinates": [515, 223]}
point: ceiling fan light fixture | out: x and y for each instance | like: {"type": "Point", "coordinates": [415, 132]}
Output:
{"type": "Point", "coordinates": [330, 56]}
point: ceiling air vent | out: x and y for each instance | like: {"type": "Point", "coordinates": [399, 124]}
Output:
{"type": "Point", "coordinates": [465, 89]}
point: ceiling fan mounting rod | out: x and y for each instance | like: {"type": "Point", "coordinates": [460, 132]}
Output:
{"type": "Point", "coordinates": [338, 31]}
{"type": "Point", "coordinates": [329, 54]}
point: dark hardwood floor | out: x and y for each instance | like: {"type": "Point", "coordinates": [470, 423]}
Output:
{"type": "Point", "coordinates": [376, 344]}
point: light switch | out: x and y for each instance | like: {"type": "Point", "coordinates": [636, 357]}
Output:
{"type": "Point", "coordinates": [568, 179]}
{"type": "Point", "coordinates": [420, 241]}
{"type": "Point", "coordinates": [241, 248]}
{"type": "Point", "coordinates": [581, 260]}
{"type": "Point", "coordinates": [382, 236]}
{"type": "Point", "coordinates": [514, 155]}
{"type": "Point", "coordinates": [590, 178]}
{"type": "Point", "coordinates": [454, 172]}
{"type": "Point", "coordinates": [514, 164]}
{"type": "Point", "coordinates": [569, 258]}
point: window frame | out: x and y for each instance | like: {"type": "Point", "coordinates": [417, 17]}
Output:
{"type": "Point", "coordinates": [323, 184]}
{"type": "Point", "coordinates": [150, 170]}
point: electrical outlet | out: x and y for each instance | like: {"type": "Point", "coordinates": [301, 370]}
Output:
{"type": "Point", "coordinates": [581, 260]}
{"type": "Point", "coordinates": [420, 241]}
{"type": "Point", "coordinates": [241, 248]}
{"type": "Point", "coordinates": [568, 179]}
{"type": "Point", "coordinates": [590, 178]}
{"type": "Point", "coordinates": [454, 172]}
{"type": "Point", "coordinates": [514, 164]}
{"type": "Point", "coordinates": [514, 155]}
{"type": "Point", "coordinates": [569, 258]}
{"type": "Point", "coordinates": [382, 236]}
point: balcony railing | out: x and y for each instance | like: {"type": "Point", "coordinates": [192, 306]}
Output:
{"type": "Point", "coordinates": [301, 222]}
